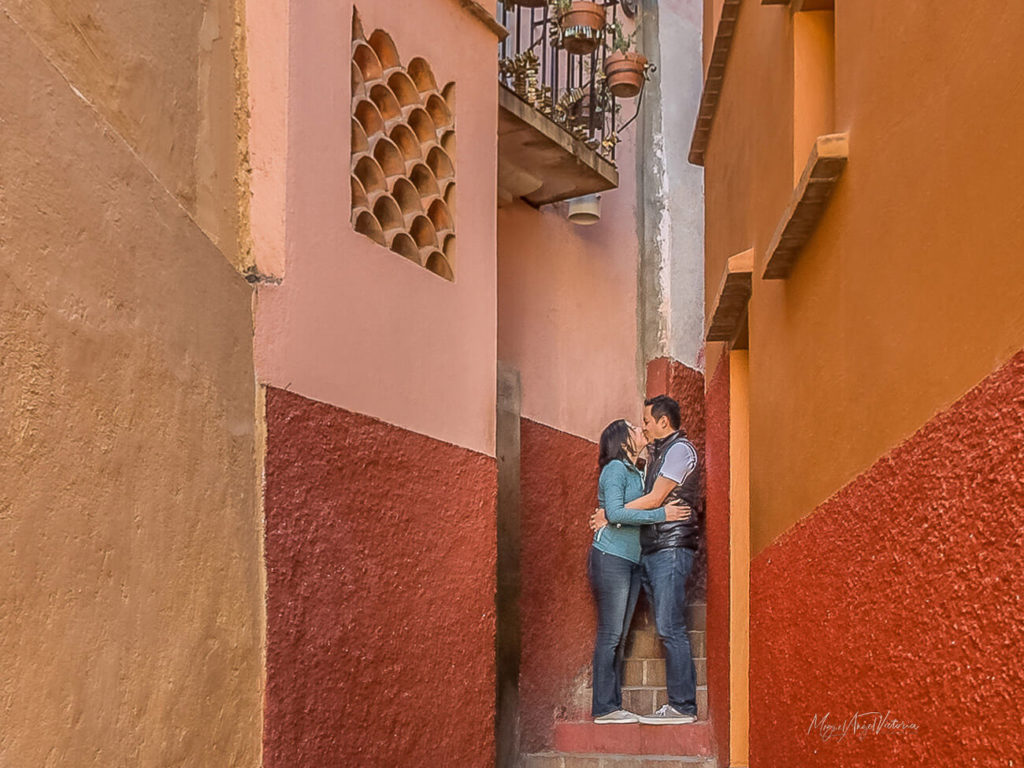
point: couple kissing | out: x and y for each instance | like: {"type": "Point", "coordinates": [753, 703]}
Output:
{"type": "Point", "coordinates": [646, 531]}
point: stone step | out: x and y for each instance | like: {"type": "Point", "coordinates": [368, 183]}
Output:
{"type": "Point", "coordinates": [588, 738]}
{"type": "Point", "coordinates": [564, 760]}
{"type": "Point", "coordinates": [645, 644]}
{"type": "Point", "coordinates": [652, 672]}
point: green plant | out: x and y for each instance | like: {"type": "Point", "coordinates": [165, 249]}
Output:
{"type": "Point", "coordinates": [558, 7]}
{"type": "Point", "coordinates": [622, 43]}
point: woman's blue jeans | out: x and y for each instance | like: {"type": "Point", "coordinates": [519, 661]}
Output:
{"type": "Point", "coordinates": [615, 583]}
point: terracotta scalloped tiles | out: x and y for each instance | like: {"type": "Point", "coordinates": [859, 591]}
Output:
{"type": "Point", "coordinates": [403, 153]}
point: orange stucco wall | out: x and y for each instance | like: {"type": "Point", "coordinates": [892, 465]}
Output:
{"type": "Point", "coordinates": [130, 562]}
{"type": "Point", "coordinates": [814, 71]}
{"type": "Point", "coordinates": [353, 324]}
{"type": "Point", "coordinates": [912, 289]}
{"type": "Point", "coordinates": [567, 297]}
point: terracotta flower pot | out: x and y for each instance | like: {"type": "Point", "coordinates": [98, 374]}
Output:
{"type": "Point", "coordinates": [582, 26]}
{"type": "Point", "coordinates": [624, 73]}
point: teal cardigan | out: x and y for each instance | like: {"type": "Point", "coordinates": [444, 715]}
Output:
{"type": "Point", "coordinates": [621, 483]}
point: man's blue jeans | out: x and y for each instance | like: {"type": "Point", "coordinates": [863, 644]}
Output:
{"type": "Point", "coordinates": [664, 578]}
{"type": "Point", "coordinates": [615, 582]}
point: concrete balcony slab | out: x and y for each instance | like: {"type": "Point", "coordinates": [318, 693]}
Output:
{"type": "Point", "coordinates": [541, 162]}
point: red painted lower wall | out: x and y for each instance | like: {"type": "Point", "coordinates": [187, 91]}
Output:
{"type": "Point", "coordinates": [380, 548]}
{"type": "Point", "coordinates": [902, 594]}
{"type": "Point", "coordinates": [558, 486]}
{"type": "Point", "coordinates": [716, 531]}
{"type": "Point", "coordinates": [686, 386]}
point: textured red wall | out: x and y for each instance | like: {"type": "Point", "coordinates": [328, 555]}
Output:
{"type": "Point", "coordinates": [559, 491]}
{"type": "Point", "coordinates": [686, 386]}
{"type": "Point", "coordinates": [902, 593]}
{"type": "Point", "coordinates": [716, 446]}
{"type": "Point", "coordinates": [380, 547]}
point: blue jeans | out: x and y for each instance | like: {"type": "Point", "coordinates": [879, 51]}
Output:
{"type": "Point", "coordinates": [615, 583]}
{"type": "Point", "coordinates": [664, 578]}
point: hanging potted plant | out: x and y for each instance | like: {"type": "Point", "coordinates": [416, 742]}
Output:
{"type": "Point", "coordinates": [625, 70]}
{"type": "Point", "coordinates": [581, 24]}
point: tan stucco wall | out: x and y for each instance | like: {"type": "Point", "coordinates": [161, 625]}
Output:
{"type": "Point", "coordinates": [170, 79]}
{"type": "Point", "coordinates": [912, 289]}
{"type": "Point", "coordinates": [131, 594]}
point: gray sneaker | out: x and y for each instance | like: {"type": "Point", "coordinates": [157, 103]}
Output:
{"type": "Point", "coordinates": [618, 716]}
{"type": "Point", "coordinates": [668, 715]}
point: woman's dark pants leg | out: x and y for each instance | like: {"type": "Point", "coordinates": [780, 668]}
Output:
{"type": "Point", "coordinates": [615, 582]}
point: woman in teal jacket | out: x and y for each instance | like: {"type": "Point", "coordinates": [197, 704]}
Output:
{"type": "Point", "coordinates": [614, 563]}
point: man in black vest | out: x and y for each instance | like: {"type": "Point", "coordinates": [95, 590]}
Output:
{"type": "Point", "coordinates": [668, 551]}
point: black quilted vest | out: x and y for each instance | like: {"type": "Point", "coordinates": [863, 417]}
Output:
{"type": "Point", "coordinates": [681, 533]}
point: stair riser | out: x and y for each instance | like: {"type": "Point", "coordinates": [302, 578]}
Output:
{"type": "Point", "coordinates": [611, 761]}
{"type": "Point", "coordinates": [645, 644]}
{"type": "Point", "coordinates": [642, 701]}
{"type": "Point", "coordinates": [696, 617]}
{"type": "Point", "coordinates": [646, 700]}
{"type": "Point", "coordinates": [651, 672]}
{"type": "Point", "coordinates": [589, 739]}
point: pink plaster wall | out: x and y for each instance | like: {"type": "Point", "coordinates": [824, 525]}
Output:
{"type": "Point", "coordinates": [353, 324]}
{"type": "Point", "coordinates": [567, 299]}
{"type": "Point", "coordinates": [267, 57]}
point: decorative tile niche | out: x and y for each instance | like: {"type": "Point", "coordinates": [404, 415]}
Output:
{"type": "Point", "coordinates": [403, 153]}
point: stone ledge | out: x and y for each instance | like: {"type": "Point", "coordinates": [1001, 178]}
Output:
{"type": "Point", "coordinates": [713, 81]}
{"type": "Point", "coordinates": [732, 297]}
{"type": "Point", "coordinates": [807, 204]}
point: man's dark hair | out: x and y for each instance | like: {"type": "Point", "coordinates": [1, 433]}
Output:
{"type": "Point", "coordinates": [663, 405]}
{"type": "Point", "coordinates": [613, 443]}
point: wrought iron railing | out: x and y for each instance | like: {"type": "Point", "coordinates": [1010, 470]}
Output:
{"type": "Point", "coordinates": [538, 62]}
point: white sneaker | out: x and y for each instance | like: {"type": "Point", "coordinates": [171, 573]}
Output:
{"type": "Point", "coordinates": [668, 715]}
{"type": "Point", "coordinates": [618, 716]}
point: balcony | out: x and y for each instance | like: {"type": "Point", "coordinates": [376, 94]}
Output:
{"type": "Point", "coordinates": [558, 118]}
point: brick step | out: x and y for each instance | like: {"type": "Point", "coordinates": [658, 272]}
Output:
{"type": "Point", "coordinates": [652, 672]}
{"type": "Point", "coordinates": [588, 738]}
{"type": "Point", "coordinates": [696, 617]}
{"type": "Point", "coordinates": [644, 643]}
{"type": "Point", "coordinates": [564, 760]}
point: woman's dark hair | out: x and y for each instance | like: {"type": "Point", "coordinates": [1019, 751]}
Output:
{"type": "Point", "coordinates": [613, 443]}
